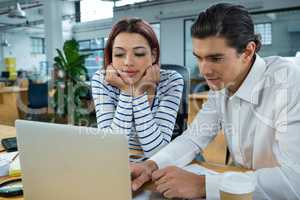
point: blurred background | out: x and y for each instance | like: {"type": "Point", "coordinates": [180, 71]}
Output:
{"type": "Point", "coordinates": [33, 84]}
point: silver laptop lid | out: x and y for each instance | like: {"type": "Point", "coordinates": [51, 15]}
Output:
{"type": "Point", "coordinates": [66, 162]}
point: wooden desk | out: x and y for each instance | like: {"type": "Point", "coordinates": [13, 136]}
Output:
{"type": "Point", "coordinates": [196, 101]}
{"type": "Point", "coordinates": [11, 99]}
{"type": "Point", "coordinates": [9, 131]}
{"type": "Point", "coordinates": [215, 152]}
{"type": "Point", "coordinates": [5, 132]}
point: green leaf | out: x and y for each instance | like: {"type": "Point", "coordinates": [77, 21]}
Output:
{"type": "Point", "coordinates": [61, 59]}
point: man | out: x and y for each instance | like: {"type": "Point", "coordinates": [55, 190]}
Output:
{"type": "Point", "coordinates": [254, 100]}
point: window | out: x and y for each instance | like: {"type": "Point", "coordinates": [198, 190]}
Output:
{"type": "Point", "coordinates": [280, 32]}
{"type": "Point", "coordinates": [94, 47]}
{"type": "Point", "coordinates": [84, 45]}
{"type": "Point", "coordinates": [156, 28]}
{"type": "Point", "coordinates": [95, 9]}
{"type": "Point", "coordinates": [198, 83]}
{"type": "Point", "coordinates": [37, 45]}
{"type": "Point", "coordinates": [189, 59]}
{"type": "Point", "coordinates": [265, 30]}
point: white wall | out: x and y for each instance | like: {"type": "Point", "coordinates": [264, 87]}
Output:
{"type": "Point", "coordinates": [20, 46]}
{"type": "Point", "coordinates": [21, 49]}
{"type": "Point", "coordinates": [171, 40]}
{"type": "Point", "coordinates": [19, 38]}
{"type": "Point", "coordinates": [91, 30]}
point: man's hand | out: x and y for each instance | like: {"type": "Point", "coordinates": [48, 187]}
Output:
{"type": "Point", "coordinates": [113, 77]}
{"type": "Point", "coordinates": [174, 182]}
{"type": "Point", "coordinates": [149, 81]}
{"type": "Point", "coordinates": [141, 173]}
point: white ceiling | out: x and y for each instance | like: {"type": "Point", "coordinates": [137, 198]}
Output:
{"type": "Point", "coordinates": [34, 15]}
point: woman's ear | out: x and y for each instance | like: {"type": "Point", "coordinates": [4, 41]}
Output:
{"type": "Point", "coordinates": [154, 55]}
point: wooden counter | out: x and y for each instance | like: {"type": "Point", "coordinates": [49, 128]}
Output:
{"type": "Point", "coordinates": [12, 100]}
{"type": "Point", "coordinates": [196, 101]}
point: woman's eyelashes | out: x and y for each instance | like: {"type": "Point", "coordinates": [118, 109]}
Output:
{"type": "Point", "coordinates": [119, 55]}
{"type": "Point", "coordinates": [137, 54]}
{"type": "Point", "coordinates": [141, 54]}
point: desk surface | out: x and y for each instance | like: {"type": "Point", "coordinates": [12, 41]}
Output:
{"type": "Point", "coordinates": [9, 131]}
{"type": "Point", "coordinates": [5, 132]}
{"type": "Point", "coordinates": [200, 95]}
{"type": "Point", "coordinates": [12, 89]}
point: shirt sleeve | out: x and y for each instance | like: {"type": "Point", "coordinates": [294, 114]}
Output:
{"type": "Point", "coordinates": [184, 148]}
{"type": "Point", "coordinates": [281, 182]}
{"type": "Point", "coordinates": [156, 131]}
{"type": "Point", "coordinates": [111, 113]}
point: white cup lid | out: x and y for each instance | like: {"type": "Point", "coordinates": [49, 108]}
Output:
{"type": "Point", "coordinates": [237, 183]}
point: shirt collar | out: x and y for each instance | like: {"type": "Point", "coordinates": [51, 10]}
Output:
{"type": "Point", "coordinates": [249, 89]}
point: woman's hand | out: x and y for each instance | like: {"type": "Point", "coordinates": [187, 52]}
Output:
{"type": "Point", "coordinates": [149, 81]}
{"type": "Point", "coordinates": [113, 77]}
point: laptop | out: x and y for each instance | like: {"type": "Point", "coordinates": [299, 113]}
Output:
{"type": "Point", "coordinates": [67, 162]}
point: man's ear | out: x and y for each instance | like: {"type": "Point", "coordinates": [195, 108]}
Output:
{"type": "Point", "coordinates": [249, 51]}
{"type": "Point", "coordinates": [154, 55]}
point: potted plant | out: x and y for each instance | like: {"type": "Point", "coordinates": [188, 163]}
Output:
{"type": "Point", "coordinates": [69, 83]}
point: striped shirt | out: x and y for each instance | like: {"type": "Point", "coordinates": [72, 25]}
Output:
{"type": "Point", "coordinates": [148, 127]}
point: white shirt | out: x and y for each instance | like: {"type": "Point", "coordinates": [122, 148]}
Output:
{"type": "Point", "coordinates": [261, 123]}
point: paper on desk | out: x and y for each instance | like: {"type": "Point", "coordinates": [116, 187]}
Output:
{"type": "Point", "coordinates": [15, 168]}
{"type": "Point", "coordinates": [198, 169]}
{"type": "Point", "coordinates": [5, 160]}
{"type": "Point", "coordinates": [8, 156]}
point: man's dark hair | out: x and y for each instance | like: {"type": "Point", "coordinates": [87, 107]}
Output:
{"type": "Point", "coordinates": [232, 22]}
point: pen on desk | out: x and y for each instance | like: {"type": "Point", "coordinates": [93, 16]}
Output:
{"type": "Point", "coordinates": [14, 158]}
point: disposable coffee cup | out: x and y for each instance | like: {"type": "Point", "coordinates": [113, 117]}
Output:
{"type": "Point", "coordinates": [237, 186]}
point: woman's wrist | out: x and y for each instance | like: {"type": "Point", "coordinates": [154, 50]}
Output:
{"type": "Point", "coordinates": [126, 89]}
{"type": "Point", "coordinates": [138, 92]}
{"type": "Point", "coordinates": [132, 91]}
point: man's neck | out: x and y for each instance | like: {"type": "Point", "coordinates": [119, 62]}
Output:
{"type": "Point", "coordinates": [232, 89]}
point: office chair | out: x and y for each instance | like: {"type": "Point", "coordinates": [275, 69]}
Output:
{"type": "Point", "coordinates": [4, 74]}
{"type": "Point", "coordinates": [182, 115]}
{"type": "Point", "coordinates": [37, 101]}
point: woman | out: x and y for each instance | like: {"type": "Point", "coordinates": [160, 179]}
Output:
{"type": "Point", "coordinates": [132, 95]}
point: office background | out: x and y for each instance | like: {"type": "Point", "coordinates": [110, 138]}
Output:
{"type": "Point", "coordinates": [277, 21]}
{"type": "Point", "coordinates": [32, 30]}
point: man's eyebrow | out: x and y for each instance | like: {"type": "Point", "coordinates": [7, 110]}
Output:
{"type": "Point", "coordinates": [214, 55]}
